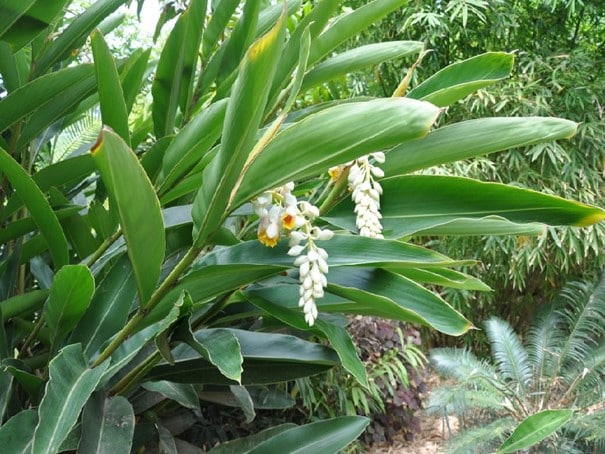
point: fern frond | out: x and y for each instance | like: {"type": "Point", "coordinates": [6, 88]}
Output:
{"type": "Point", "coordinates": [510, 355]}
{"type": "Point", "coordinates": [481, 439]}
{"type": "Point", "coordinates": [78, 135]}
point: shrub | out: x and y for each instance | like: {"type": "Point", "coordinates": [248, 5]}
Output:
{"type": "Point", "coordinates": [558, 371]}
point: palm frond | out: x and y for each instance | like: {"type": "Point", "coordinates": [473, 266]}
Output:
{"type": "Point", "coordinates": [484, 438]}
{"type": "Point", "coordinates": [543, 342]}
{"type": "Point", "coordinates": [462, 365]}
{"type": "Point", "coordinates": [589, 428]}
{"type": "Point", "coordinates": [460, 400]}
{"type": "Point", "coordinates": [77, 135]}
{"type": "Point", "coordinates": [584, 317]}
{"type": "Point", "coordinates": [511, 357]}
{"type": "Point", "coordinates": [587, 380]}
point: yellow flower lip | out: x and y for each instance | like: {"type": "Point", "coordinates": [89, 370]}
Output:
{"type": "Point", "coordinates": [288, 221]}
{"type": "Point", "coordinates": [266, 241]}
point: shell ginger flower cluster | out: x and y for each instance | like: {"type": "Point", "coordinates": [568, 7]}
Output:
{"type": "Point", "coordinates": [366, 192]}
{"type": "Point", "coordinates": [278, 211]}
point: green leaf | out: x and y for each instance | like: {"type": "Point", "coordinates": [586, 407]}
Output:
{"type": "Point", "coordinates": [443, 277]}
{"type": "Point", "coordinates": [139, 209]}
{"type": "Point", "coordinates": [38, 207]}
{"type": "Point", "coordinates": [173, 82]}
{"type": "Point", "coordinates": [113, 106]}
{"type": "Point", "coordinates": [109, 309]}
{"type": "Point", "coordinates": [16, 434]}
{"type": "Point", "coordinates": [191, 144]}
{"type": "Point", "coordinates": [321, 436]}
{"type": "Point", "coordinates": [383, 289]}
{"type": "Point", "coordinates": [244, 400]}
{"type": "Point", "coordinates": [243, 117]}
{"type": "Point", "coordinates": [350, 24]}
{"type": "Point", "coordinates": [14, 67]}
{"type": "Point", "coordinates": [472, 138]}
{"type": "Point", "coordinates": [24, 304]}
{"type": "Point", "coordinates": [263, 398]}
{"type": "Point", "coordinates": [429, 203]}
{"type": "Point", "coordinates": [133, 75]}
{"type": "Point", "coordinates": [268, 358]}
{"type": "Point", "coordinates": [221, 348]}
{"type": "Point", "coordinates": [221, 14]}
{"type": "Point", "coordinates": [244, 445]}
{"type": "Point", "coordinates": [22, 22]}
{"type": "Point", "coordinates": [31, 383]}
{"type": "Point", "coordinates": [184, 394]}
{"type": "Point", "coordinates": [70, 385]}
{"type": "Point", "coordinates": [75, 34]}
{"type": "Point", "coordinates": [107, 425]}
{"type": "Point", "coordinates": [35, 95]}
{"type": "Point", "coordinates": [70, 295]}
{"type": "Point", "coordinates": [359, 58]}
{"type": "Point", "coordinates": [534, 429]}
{"type": "Point", "coordinates": [25, 225]}
{"type": "Point", "coordinates": [459, 80]}
{"type": "Point", "coordinates": [334, 136]}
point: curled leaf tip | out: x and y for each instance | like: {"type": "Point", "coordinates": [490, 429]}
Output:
{"type": "Point", "coordinates": [97, 145]}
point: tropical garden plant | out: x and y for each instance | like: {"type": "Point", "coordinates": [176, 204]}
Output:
{"type": "Point", "coordinates": [550, 387]}
{"type": "Point", "coordinates": [205, 243]}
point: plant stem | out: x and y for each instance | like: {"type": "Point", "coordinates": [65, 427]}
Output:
{"type": "Point", "coordinates": [157, 296]}
{"type": "Point", "coordinates": [102, 248]}
{"type": "Point", "coordinates": [336, 192]}
{"type": "Point", "coordinates": [134, 376]}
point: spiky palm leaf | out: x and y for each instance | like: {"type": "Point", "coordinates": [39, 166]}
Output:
{"type": "Point", "coordinates": [484, 438]}
{"type": "Point", "coordinates": [462, 365]}
{"type": "Point", "coordinates": [510, 354]}
{"type": "Point", "coordinates": [460, 400]}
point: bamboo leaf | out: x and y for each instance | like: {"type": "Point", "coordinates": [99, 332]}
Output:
{"type": "Point", "coordinates": [70, 295]}
{"type": "Point", "coordinates": [70, 385]}
{"type": "Point", "coordinates": [359, 58]}
{"type": "Point", "coordinates": [111, 97]}
{"type": "Point", "coordinates": [38, 207]}
{"type": "Point", "coordinates": [473, 138]}
{"type": "Point", "coordinates": [459, 80]}
{"type": "Point", "coordinates": [534, 429]}
{"type": "Point", "coordinates": [334, 136]}
{"type": "Point", "coordinates": [107, 425]}
{"type": "Point", "coordinates": [174, 75]}
{"type": "Point", "coordinates": [243, 117]}
{"type": "Point", "coordinates": [139, 209]}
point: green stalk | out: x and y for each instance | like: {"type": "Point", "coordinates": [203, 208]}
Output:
{"type": "Point", "coordinates": [135, 375]}
{"type": "Point", "coordinates": [336, 192]}
{"type": "Point", "coordinates": [157, 296]}
{"type": "Point", "coordinates": [102, 248]}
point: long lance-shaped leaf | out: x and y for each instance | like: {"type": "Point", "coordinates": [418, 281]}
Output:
{"type": "Point", "coordinates": [38, 207]}
{"type": "Point", "coordinates": [111, 97]}
{"type": "Point", "coordinates": [337, 336]}
{"type": "Point", "coordinates": [35, 94]}
{"type": "Point", "coordinates": [71, 384]}
{"type": "Point", "coordinates": [14, 67]}
{"type": "Point", "coordinates": [369, 285]}
{"type": "Point", "coordinates": [534, 429]}
{"type": "Point", "coordinates": [459, 80]}
{"type": "Point", "coordinates": [268, 358]}
{"type": "Point", "coordinates": [109, 309]}
{"type": "Point", "coordinates": [350, 24]}
{"type": "Point", "coordinates": [138, 207]}
{"type": "Point", "coordinates": [107, 425]}
{"type": "Point", "coordinates": [16, 434]}
{"type": "Point", "coordinates": [191, 144]}
{"type": "Point", "coordinates": [75, 34]}
{"type": "Point", "coordinates": [221, 15]}
{"type": "Point", "coordinates": [243, 117]}
{"type": "Point", "coordinates": [472, 138]}
{"type": "Point", "coordinates": [431, 203]}
{"type": "Point", "coordinates": [174, 75]}
{"type": "Point", "coordinates": [22, 21]}
{"type": "Point", "coordinates": [334, 136]}
{"type": "Point", "coordinates": [321, 436]}
{"type": "Point", "coordinates": [25, 225]}
{"type": "Point", "coordinates": [70, 295]}
{"type": "Point", "coordinates": [359, 58]}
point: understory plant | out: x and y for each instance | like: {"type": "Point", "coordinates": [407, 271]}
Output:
{"type": "Point", "coordinates": [391, 354]}
{"type": "Point", "coordinates": [205, 247]}
{"type": "Point", "coordinates": [549, 387]}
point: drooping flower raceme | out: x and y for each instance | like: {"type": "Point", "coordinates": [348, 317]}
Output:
{"type": "Point", "coordinates": [366, 192]}
{"type": "Point", "coordinates": [279, 210]}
